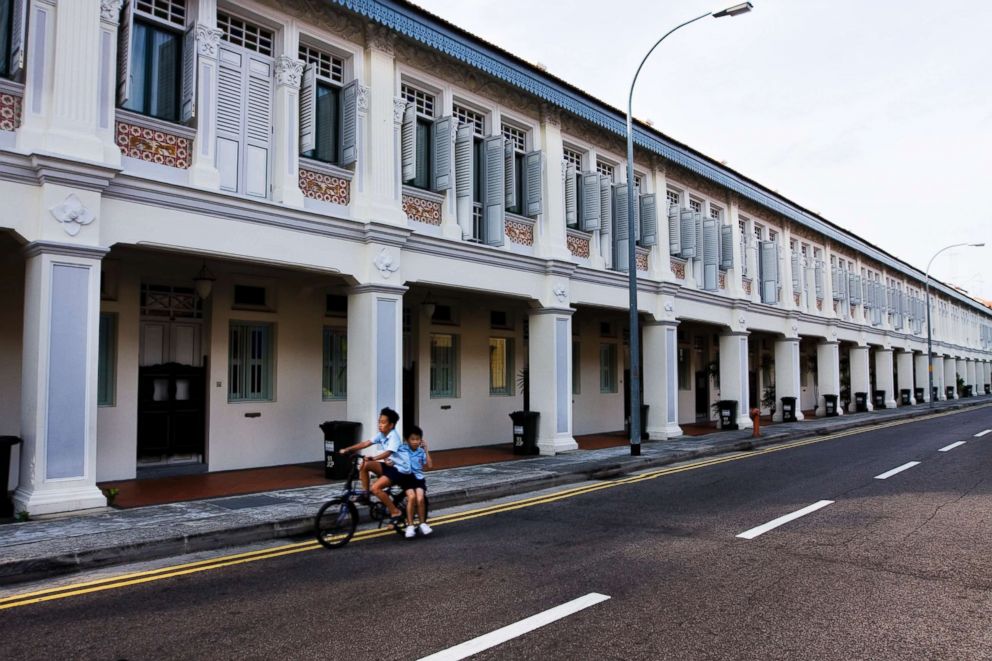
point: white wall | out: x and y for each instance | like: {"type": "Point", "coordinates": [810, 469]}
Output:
{"type": "Point", "coordinates": [594, 412]}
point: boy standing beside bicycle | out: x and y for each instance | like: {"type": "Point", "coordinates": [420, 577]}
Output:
{"type": "Point", "coordinates": [409, 462]}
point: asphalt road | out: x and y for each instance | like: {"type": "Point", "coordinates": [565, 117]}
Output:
{"type": "Point", "coordinates": [896, 568]}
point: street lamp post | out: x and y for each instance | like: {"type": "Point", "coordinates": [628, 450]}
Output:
{"type": "Point", "coordinates": [929, 337]}
{"type": "Point", "coordinates": [635, 340]}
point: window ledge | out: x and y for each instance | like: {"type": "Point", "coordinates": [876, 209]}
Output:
{"type": "Point", "coordinates": [11, 87]}
{"type": "Point", "coordinates": [521, 219]}
{"type": "Point", "coordinates": [413, 191]}
{"type": "Point", "coordinates": [325, 168]}
{"type": "Point", "coordinates": [146, 122]}
{"type": "Point", "coordinates": [571, 231]}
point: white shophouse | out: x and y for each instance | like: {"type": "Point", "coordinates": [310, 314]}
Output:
{"type": "Point", "coordinates": [223, 223]}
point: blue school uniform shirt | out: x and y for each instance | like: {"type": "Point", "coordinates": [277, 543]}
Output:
{"type": "Point", "coordinates": [407, 460]}
{"type": "Point", "coordinates": [390, 442]}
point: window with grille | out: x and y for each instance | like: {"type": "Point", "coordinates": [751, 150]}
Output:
{"type": "Point", "coordinates": [674, 198]}
{"type": "Point", "coordinates": [444, 365]}
{"type": "Point", "coordinates": [516, 137]}
{"type": "Point", "coordinates": [573, 157]}
{"type": "Point", "coordinates": [605, 168]}
{"type": "Point", "coordinates": [250, 362]}
{"type": "Point", "coordinates": [758, 231]}
{"type": "Point", "coordinates": [500, 366]}
{"type": "Point", "coordinates": [106, 372]}
{"type": "Point", "coordinates": [328, 66]}
{"type": "Point", "coordinates": [716, 212]}
{"type": "Point", "coordinates": [467, 116]}
{"type": "Point", "coordinates": [696, 205]}
{"type": "Point", "coordinates": [772, 235]}
{"type": "Point", "coordinates": [241, 33]}
{"type": "Point", "coordinates": [421, 100]}
{"type": "Point", "coordinates": [335, 364]}
{"type": "Point", "coordinates": [170, 11]}
{"type": "Point", "coordinates": [607, 368]}
{"type": "Point", "coordinates": [639, 182]}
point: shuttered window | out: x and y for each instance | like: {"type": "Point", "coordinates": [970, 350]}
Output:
{"type": "Point", "coordinates": [322, 106]}
{"type": "Point", "coordinates": [6, 26]}
{"type": "Point", "coordinates": [250, 364]}
{"type": "Point", "coordinates": [335, 364]}
{"type": "Point", "coordinates": [106, 374]}
{"type": "Point", "coordinates": [606, 169]}
{"type": "Point", "coordinates": [501, 366]}
{"type": "Point", "coordinates": [444, 366]}
{"type": "Point", "coordinates": [151, 54]}
{"type": "Point", "coordinates": [607, 368]}
{"type": "Point", "coordinates": [516, 147]}
{"type": "Point", "coordinates": [241, 33]}
{"type": "Point", "coordinates": [423, 108]}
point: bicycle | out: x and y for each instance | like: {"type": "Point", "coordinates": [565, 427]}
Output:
{"type": "Point", "coordinates": [337, 519]}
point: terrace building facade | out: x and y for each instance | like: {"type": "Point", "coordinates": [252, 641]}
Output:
{"type": "Point", "coordinates": [226, 222]}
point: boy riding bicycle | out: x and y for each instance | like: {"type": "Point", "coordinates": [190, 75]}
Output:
{"type": "Point", "coordinates": [386, 442]}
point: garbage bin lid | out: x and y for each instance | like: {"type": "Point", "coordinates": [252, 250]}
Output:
{"type": "Point", "coordinates": [9, 440]}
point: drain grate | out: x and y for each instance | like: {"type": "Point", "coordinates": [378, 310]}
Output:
{"type": "Point", "coordinates": [246, 502]}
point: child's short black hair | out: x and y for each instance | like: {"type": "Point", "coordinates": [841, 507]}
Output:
{"type": "Point", "coordinates": [414, 430]}
{"type": "Point", "coordinates": [391, 415]}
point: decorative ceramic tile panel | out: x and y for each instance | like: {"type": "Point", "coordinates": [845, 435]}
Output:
{"type": "Point", "coordinates": [153, 146]}
{"type": "Point", "coordinates": [578, 246]}
{"type": "Point", "coordinates": [642, 261]}
{"type": "Point", "coordinates": [747, 286]}
{"type": "Point", "coordinates": [521, 233]}
{"type": "Point", "coordinates": [723, 281]}
{"type": "Point", "coordinates": [325, 187]}
{"type": "Point", "coordinates": [678, 268]}
{"type": "Point", "coordinates": [421, 210]}
{"type": "Point", "coordinates": [10, 112]}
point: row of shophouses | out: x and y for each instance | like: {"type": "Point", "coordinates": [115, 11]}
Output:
{"type": "Point", "coordinates": [225, 223]}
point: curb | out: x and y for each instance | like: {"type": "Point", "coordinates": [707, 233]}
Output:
{"type": "Point", "coordinates": [22, 570]}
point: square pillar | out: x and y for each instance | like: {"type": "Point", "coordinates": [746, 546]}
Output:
{"type": "Point", "coordinates": [550, 364]}
{"type": "Point", "coordinates": [972, 377]}
{"type": "Point", "coordinates": [938, 377]}
{"type": "Point", "coordinates": [922, 368]}
{"type": "Point", "coordinates": [950, 378]}
{"type": "Point", "coordinates": [59, 379]}
{"type": "Point", "coordinates": [786, 374]}
{"type": "Point", "coordinates": [904, 368]}
{"type": "Point", "coordinates": [203, 171]}
{"type": "Point", "coordinates": [551, 240]}
{"type": "Point", "coordinates": [286, 124]}
{"type": "Point", "coordinates": [733, 375]}
{"type": "Point", "coordinates": [660, 351]}
{"type": "Point", "coordinates": [827, 375]}
{"type": "Point", "coordinates": [884, 373]}
{"type": "Point", "coordinates": [375, 337]}
{"type": "Point", "coordinates": [860, 380]}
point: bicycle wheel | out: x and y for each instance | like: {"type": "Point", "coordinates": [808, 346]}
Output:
{"type": "Point", "coordinates": [335, 523]}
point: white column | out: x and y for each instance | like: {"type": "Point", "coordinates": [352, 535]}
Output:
{"type": "Point", "coordinates": [203, 171]}
{"type": "Point", "coordinates": [860, 381]}
{"type": "Point", "coordinates": [286, 124]}
{"type": "Point", "coordinates": [550, 363]}
{"type": "Point", "coordinates": [375, 337]}
{"type": "Point", "coordinates": [551, 239]}
{"type": "Point", "coordinates": [787, 373]}
{"type": "Point", "coordinates": [980, 377]}
{"type": "Point", "coordinates": [922, 379]}
{"type": "Point", "coordinates": [972, 378]}
{"type": "Point", "coordinates": [110, 11]}
{"type": "Point", "coordinates": [827, 375]}
{"type": "Point", "coordinates": [938, 377]}
{"type": "Point", "coordinates": [962, 371]}
{"type": "Point", "coordinates": [950, 378]}
{"type": "Point", "coordinates": [904, 367]}
{"type": "Point", "coordinates": [884, 372]}
{"type": "Point", "coordinates": [660, 357]}
{"type": "Point", "coordinates": [734, 375]}
{"type": "Point", "coordinates": [58, 379]}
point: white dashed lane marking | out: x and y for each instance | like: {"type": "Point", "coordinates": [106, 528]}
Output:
{"type": "Point", "coordinates": [950, 447]}
{"type": "Point", "coordinates": [887, 474]}
{"type": "Point", "coordinates": [762, 529]}
{"type": "Point", "coordinates": [983, 433]}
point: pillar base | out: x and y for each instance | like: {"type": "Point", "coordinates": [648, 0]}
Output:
{"type": "Point", "coordinates": [554, 445]}
{"type": "Point", "coordinates": [62, 499]}
{"type": "Point", "coordinates": [664, 433]}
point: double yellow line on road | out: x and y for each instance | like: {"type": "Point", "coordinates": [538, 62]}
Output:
{"type": "Point", "coordinates": [148, 576]}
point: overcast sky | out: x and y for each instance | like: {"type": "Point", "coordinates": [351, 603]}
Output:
{"type": "Point", "coordinates": [877, 114]}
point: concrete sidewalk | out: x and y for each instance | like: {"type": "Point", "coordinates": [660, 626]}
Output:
{"type": "Point", "coordinates": [36, 549]}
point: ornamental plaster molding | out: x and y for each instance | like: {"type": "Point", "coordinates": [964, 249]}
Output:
{"type": "Point", "coordinates": [380, 38]}
{"type": "Point", "coordinates": [399, 107]}
{"type": "Point", "coordinates": [322, 14]}
{"type": "Point", "coordinates": [385, 263]}
{"type": "Point", "coordinates": [289, 71]}
{"type": "Point", "coordinates": [207, 40]}
{"type": "Point", "coordinates": [72, 214]}
{"type": "Point", "coordinates": [110, 10]}
{"type": "Point", "coordinates": [364, 95]}
{"type": "Point", "coordinates": [561, 293]}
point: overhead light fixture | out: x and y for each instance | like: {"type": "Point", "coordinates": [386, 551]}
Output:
{"type": "Point", "coordinates": [429, 305]}
{"type": "Point", "coordinates": [204, 282]}
{"type": "Point", "coordinates": [736, 10]}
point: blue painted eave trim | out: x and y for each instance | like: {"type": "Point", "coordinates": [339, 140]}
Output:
{"type": "Point", "coordinates": [434, 32]}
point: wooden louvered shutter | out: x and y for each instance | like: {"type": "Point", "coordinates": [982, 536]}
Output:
{"type": "Point", "coordinates": [493, 209]}
{"type": "Point", "coordinates": [649, 220]}
{"type": "Point", "coordinates": [308, 109]}
{"type": "Point", "coordinates": [348, 125]}
{"type": "Point", "coordinates": [621, 258]}
{"type": "Point", "coordinates": [606, 219]}
{"type": "Point", "coordinates": [688, 233]}
{"type": "Point", "coordinates": [258, 121]}
{"type": "Point", "coordinates": [726, 247]}
{"type": "Point", "coordinates": [818, 277]}
{"type": "Point", "coordinates": [852, 288]}
{"type": "Point", "coordinates": [769, 272]}
{"type": "Point", "coordinates": [797, 282]}
{"type": "Point", "coordinates": [441, 154]}
{"type": "Point", "coordinates": [591, 208]}
{"type": "Point", "coordinates": [408, 140]}
{"type": "Point", "coordinates": [697, 220]}
{"type": "Point", "coordinates": [464, 176]}
{"type": "Point", "coordinates": [230, 116]}
{"type": "Point", "coordinates": [187, 87]}
{"type": "Point", "coordinates": [533, 188]}
{"type": "Point", "coordinates": [674, 231]}
{"type": "Point", "coordinates": [571, 217]}
{"type": "Point", "coordinates": [510, 182]}
{"type": "Point", "coordinates": [124, 30]}
{"type": "Point", "coordinates": [711, 253]}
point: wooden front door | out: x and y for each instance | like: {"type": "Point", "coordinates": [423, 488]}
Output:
{"type": "Point", "coordinates": [171, 410]}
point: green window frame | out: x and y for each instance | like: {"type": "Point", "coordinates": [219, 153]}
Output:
{"type": "Point", "coordinates": [501, 366]}
{"type": "Point", "coordinates": [6, 29]}
{"type": "Point", "coordinates": [250, 362]}
{"type": "Point", "coordinates": [335, 364]}
{"type": "Point", "coordinates": [156, 70]}
{"type": "Point", "coordinates": [326, 112]}
{"type": "Point", "coordinates": [425, 132]}
{"type": "Point", "coordinates": [444, 365]}
{"type": "Point", "coordinates": [106, 372]}
{"type": "Point", "coordinates": [608, 368]}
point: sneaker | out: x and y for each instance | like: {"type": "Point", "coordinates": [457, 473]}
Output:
{"type": "Point", "coordinates": [425, 529]}
{"type": "Point", "coordinates": [411, 532]}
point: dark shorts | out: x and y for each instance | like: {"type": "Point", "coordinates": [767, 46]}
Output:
{"type": "Point", "coordinates": [408, 481]}
{"type": "Point", "coordinates": [392, 474]}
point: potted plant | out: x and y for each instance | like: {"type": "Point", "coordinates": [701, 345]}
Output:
{"type": "Point", "coordinates": [768, 398]}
